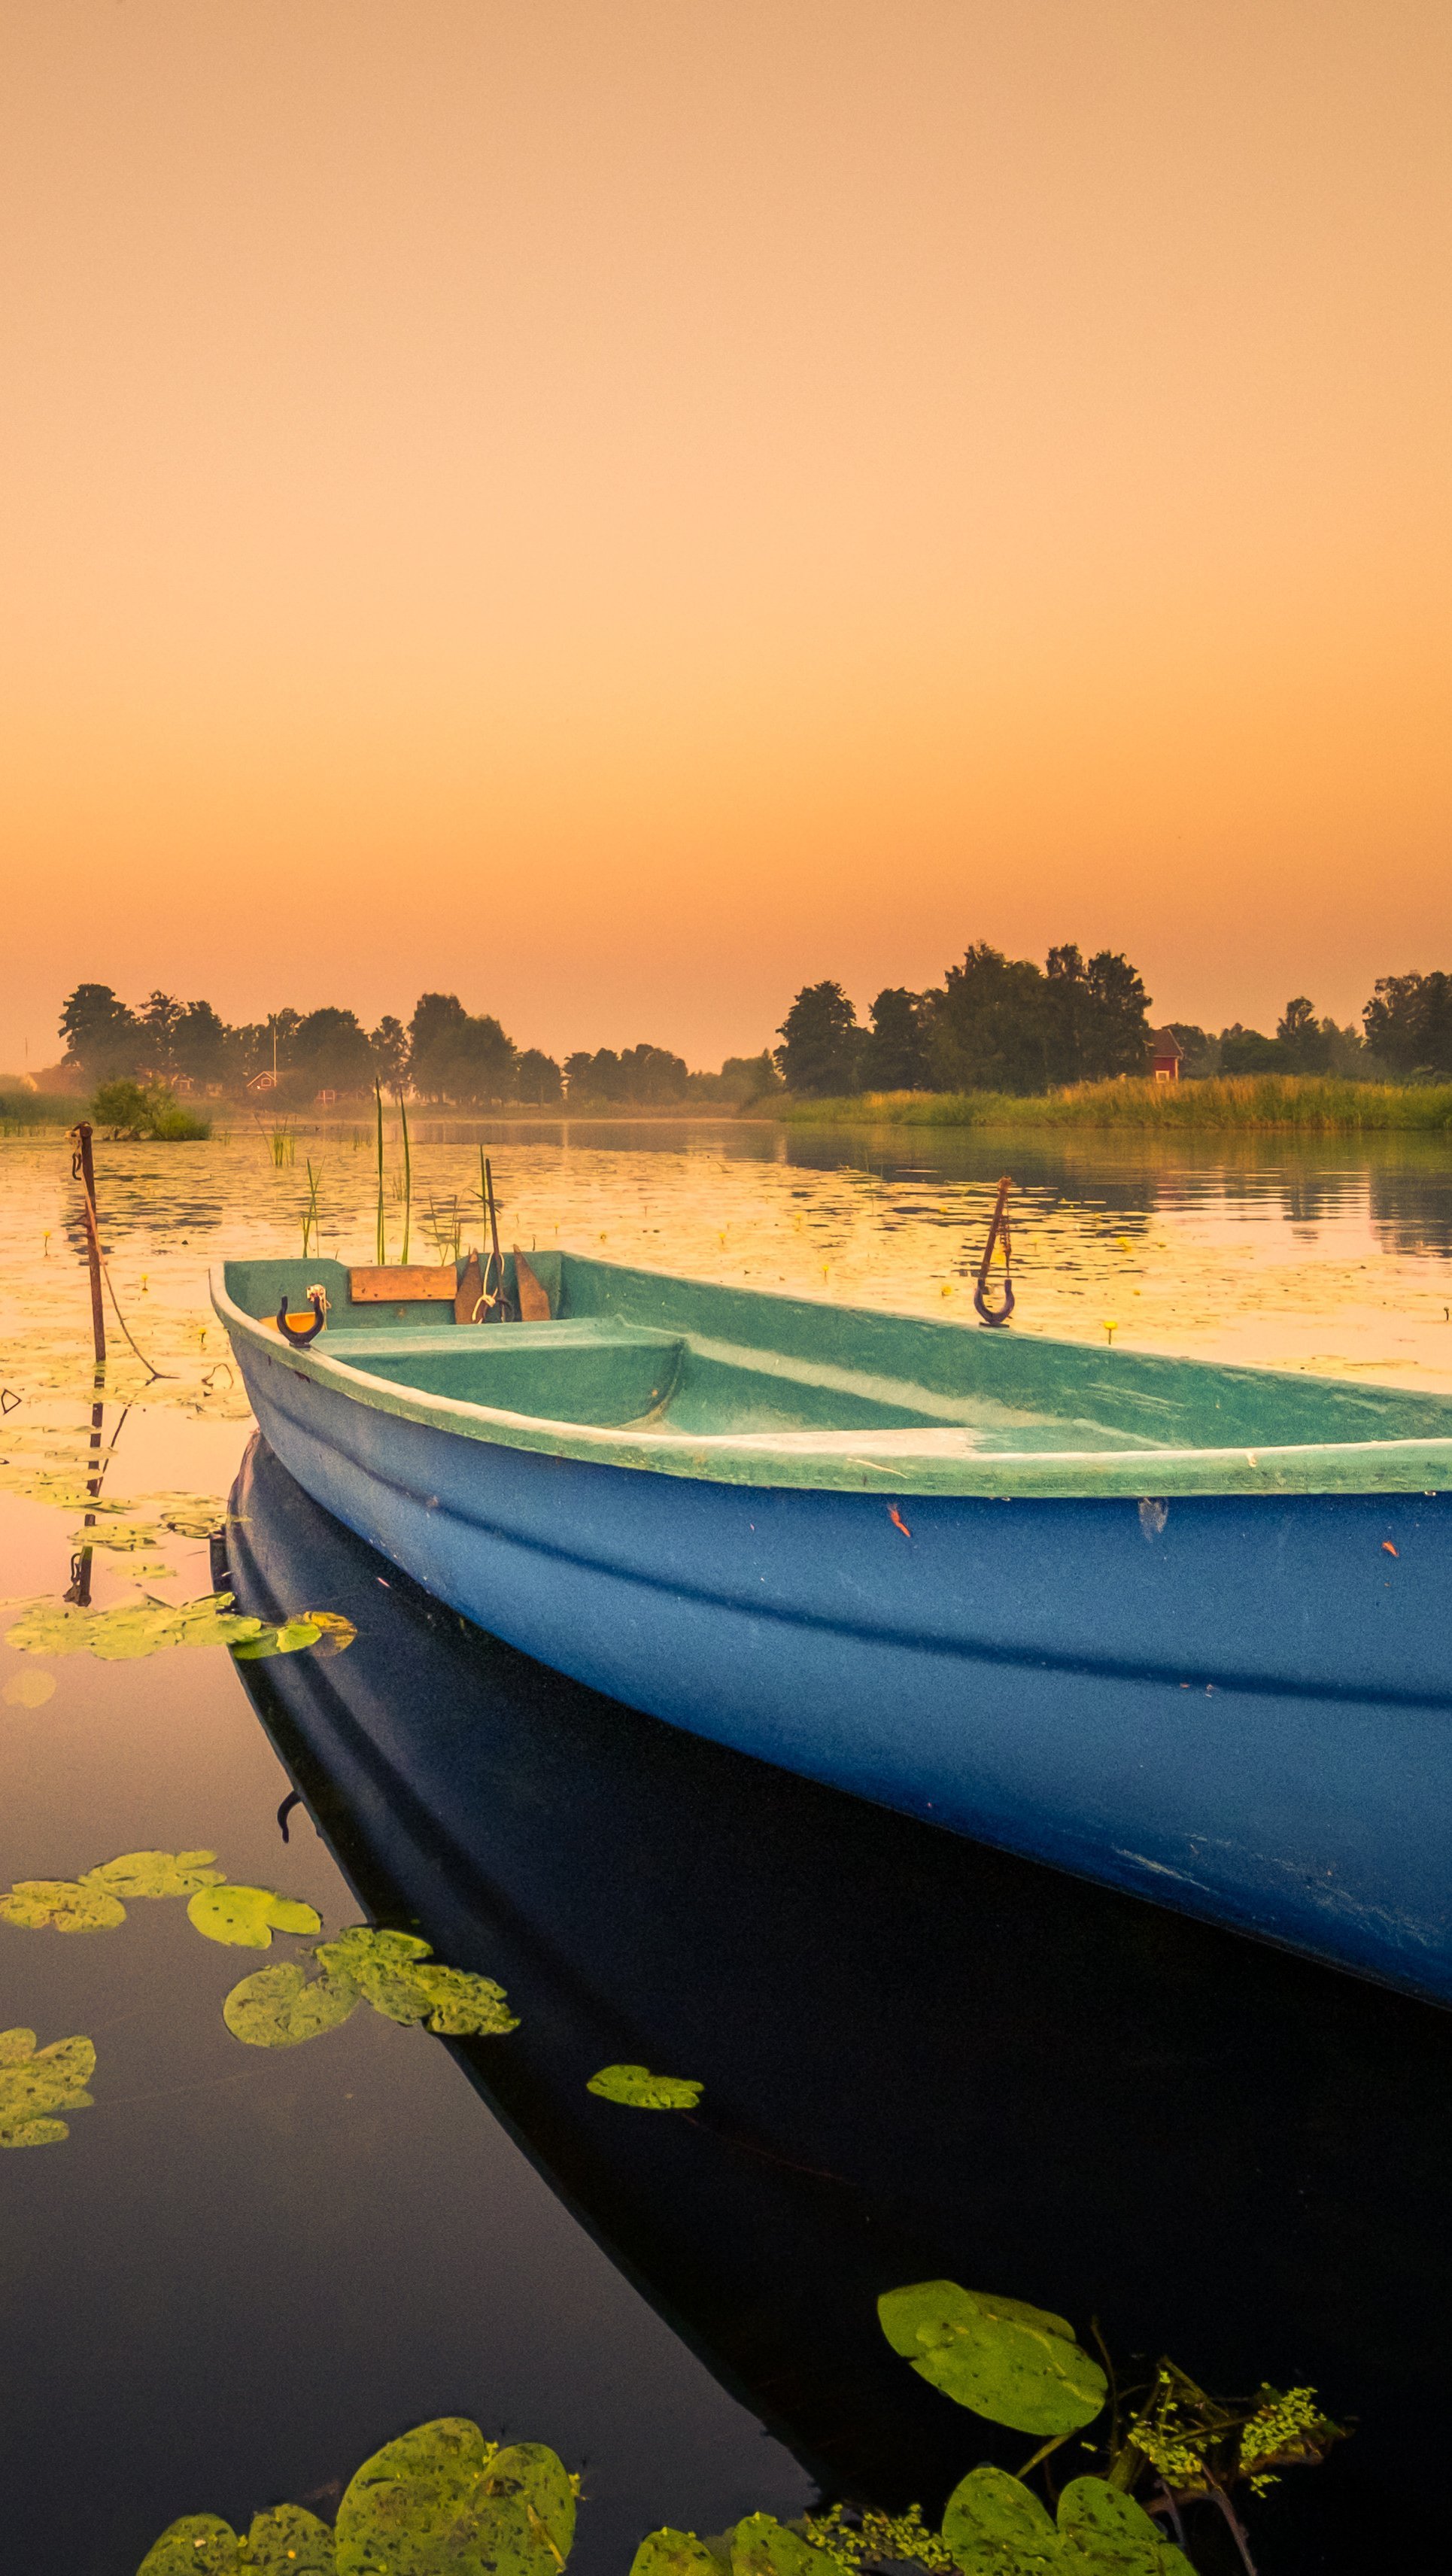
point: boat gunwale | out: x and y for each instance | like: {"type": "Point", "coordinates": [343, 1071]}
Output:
{"type": "Point", "coordinates": [821, 1461]}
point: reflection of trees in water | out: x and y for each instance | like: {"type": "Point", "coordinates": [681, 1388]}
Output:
{"type": "Point", "coordinates": [1411, 1211]}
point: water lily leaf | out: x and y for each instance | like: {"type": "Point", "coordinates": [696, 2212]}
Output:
{"type": "Point", "coordinates": [36, 2083]}
{"type": "Point", "coordinates": [29, 1690]}
{"type": "Point", "coordinates": [248, 1916]}
{"type": "Point", "coordinates": [131, 1630]}
{"type": "Point", "coordinates": [278, 2008]}
{"type": "Point", "coordinates": [1015, 2364]}
{"type": "Point", "coordinates": [201, 2544]}
{"type": "Point", "coordinates": [125, 1536]}
{"type": "Point", "coordinates": [995, 2526]}
{"type": "Point", "coordinates": [443, 2499]}
{"type": "Point", "coordinates": [1106, 2531]}
{"type": "Point", "coordinates": [673, 2553]}
{"type": "Point", "coordinates": [154, 1873]}
{"type": "Point", "coordinates": [335, 1633]}
{"type": "Point", "coordinates": [289, 2541]}
{"type": "Point", "coordinates": [381, 1965]}
{"type": "Point", "coordinates": [61, 1905]}
{"type": "Point", "coordinates": [762, 2546]}
{"type": "Point", "coordinates": [289, 1639]}
{"type": "Point", "coordinates": [639, 2090]}
{"type": "Point", "coordinates": [462, 2004]}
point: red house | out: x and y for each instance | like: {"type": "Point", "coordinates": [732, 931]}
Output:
{"type": "Point", "coordinates": [1165, 1052]}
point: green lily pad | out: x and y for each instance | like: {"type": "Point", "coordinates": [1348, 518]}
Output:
{"type": "Point", "coordinates": [289, 1639]}
{"type": "Point", "coordinates": [1014, 2364]}
{"type": "Point", "coordinates": [201, 2544]}
{"type": "Point", "coordinates": [995, 2526]}
{"type": "Point", "coordinates": [124, 1536]}
{"type": "Point", "coordinates": [278, 2008]}
{"type": "Point", "coordinates": [639, 2090]}
{"type": "Point", "coordinates": [130, 1630]}
{"type": "Point", "coordinates": [29, 1690]}
{"type": "Point", "coordinates": [673, 2553]}
{"type": "Point", "coordinates": [335, 1633]}
{"type": "Point", "coordinates": [37, 2083]}
{"type": "Point", "coordinates": [61, 1905]}
{"type": "Point", "coordinates": [382, 1965]}
{"type": "Point", "coordinates": [247, 1917]}
{"type": "Point", "coordinates": [154, 1873]}
{"type": "Point", "coordinates": [762, 2546]}
{"type": "Point", "coordinates": [289, 2541]}
{"type": "Point", "coordinates": [462, 2004]}
{"type": "Point", "coordinates": [1105, 2531]}
{"type": "Point", "coordinates": [443, 2499]}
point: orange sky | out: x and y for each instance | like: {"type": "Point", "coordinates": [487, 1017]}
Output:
{"type": "Point", "coordinates": [620, 507]}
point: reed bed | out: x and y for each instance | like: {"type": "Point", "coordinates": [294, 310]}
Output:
{"type": "Point", "coordinates": [1313, 1104]}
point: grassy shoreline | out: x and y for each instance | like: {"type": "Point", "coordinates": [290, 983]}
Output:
{"type": "Point", "coordinates": [1313, 1104]}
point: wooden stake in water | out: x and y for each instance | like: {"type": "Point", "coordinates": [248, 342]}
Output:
{"type": "Point", "coordinates": [83, 1170]}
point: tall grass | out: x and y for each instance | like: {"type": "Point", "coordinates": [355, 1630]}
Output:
{"type": "Point", "coordinates": [20, 1108]}
{"type": "Point", "coordinates": [1313, 1104]}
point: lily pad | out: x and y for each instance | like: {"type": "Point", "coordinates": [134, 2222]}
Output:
{"type": "Point", "coordinates": [289, 1639]}
{"type": "Point", "coordinates": [639, 2090]}
{"type": "Point", "coordinates": [37, 2083]}
{"type": "Point", "coordinates": [462, 2004]}
{"type": "Point", "coordinates": [61, 1905]}
{"type": "Point", "coordinates": [154, 1873]}
{"type": "Point", "coordinates": [125, 1536]}
{"type": "Point", "coordinates": [199, 2542]}
{"type": "Point", "coordinates": [1105, 2531]}
{"type": "Point", "coordinates": [443, 2499]}
{"type": "Point", "coordinates": [289, 2541]}
{"type": "Point", "coordinates": [278, 2008]}
{"type": "Point", "coordinates": [382, 1965]}
{"type": "Point", "coordinates": [762, 2546]}
{"type": "Point", "coordinates": [131, 1630]}
{"type": "Point", "coordinates": [247, 1917]}
{"type": "Point", "coordinates": [995, 2526]}
{"type": "Point", "coordinates": [1014, 2364]}
{"type": "Point", "coordinates": [335, 1633]}
{"type": "Point", "coordinates": [673, 2553]}
{"type": "Point", "coordinates": [29, 1690]}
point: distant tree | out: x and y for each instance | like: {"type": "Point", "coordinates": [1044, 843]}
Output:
{"type": "Point", "coordinates": [1095, 1014]}
{"type": "Point", "coordinates": [388, 1047]}
{"type": "Point", "coordinates": [896, 1054]}
{"type": "Point", "coordinates": [1301, 1037]}
{"type": "Point", "coordinates": [651, 1077]}
{"type": "Point", "coordinates": [821, 1043]}
{"type": "Point", "coordinates": [744, 1078]}
{"type": "Point", "coordinates": [200, 1044]}
{"type": "Point", "coordinates": [579, 1073]}
{"type": "Point", "coordinates": [330, 1051]}
{"type": "Point", "coordinates": [103, 1038]}
{"type": "Point", "coordinates": [537, 1080]}
{"type": "Point", "coordinates": [990, 1024]}
{"type": "Point", "coordinates": [160, 1020]}
{"type": "Point", "coordinates": [1250, 1051]}
{"type": "Point", "coordinates": [455, 1057]}
{"type": "Point", "coordinates": [1408, 1023]}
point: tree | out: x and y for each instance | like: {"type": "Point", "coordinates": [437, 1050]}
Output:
{"type": "Point", "coordinates": [821, 1043]}
{"type": "Point", "coordinates": [537, 1080]}
{"type": "Point", "coordinates": [896, 1056]}
{"type": "Point", "coordinates": [651, 1077]}
{"type": "Point", "coordinates": [388, 1047]}
{"type": "Point", "coordinates": [1199, 1052]}
{"type": "Point", "coordinates": [160, 1019]}
{"type": "Point", "coordinates": [990, 1024]}
{"type": "Point", "coordinates": [1408, 1023]}
{"type": "Point", "coordinates": [103, 1038]}
{"type": "Point", "coordinates": [1096, 1016]}
{"type": "Point", "coordinates": [437, 1020]}
{"type": "Point", "coordinates": [1249, 1051]}
{"type": "Point", "coordinates": [331, 1053]}
{"type": "Point", "coordinates": [744, 1078]}
{"type": "Point", "coordinates": [455, 1057]}
{"type": "Point", "coordinates": [199, 1044]}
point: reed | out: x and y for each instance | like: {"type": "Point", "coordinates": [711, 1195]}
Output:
{"type": "Point", "coordinates": [1308, 1104]}
{"type": "Point", "coordinates": [407, 1174]}
{"type": "Point", "coordinates": [281, 1145]}
{"type": "Point", "coordinates": [311, 1224]}
{"type": "Point", "coordinates": [381, 1253]}
{"type": "Point", "coordinates": [21, 1109]}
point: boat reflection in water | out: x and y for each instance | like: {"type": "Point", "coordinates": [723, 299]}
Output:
{"type": "Point", "coordinates": [921, 2058]}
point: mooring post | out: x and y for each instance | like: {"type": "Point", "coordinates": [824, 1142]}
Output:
{"type": "Point", "coordinates": [83, 1170]}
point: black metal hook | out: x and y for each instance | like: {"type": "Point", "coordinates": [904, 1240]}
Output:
{"type": "Point", "coordinates": [317, 1299]}
{"type": "Point", "coordinates": [997, 1230]}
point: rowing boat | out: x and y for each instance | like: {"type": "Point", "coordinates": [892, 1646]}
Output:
{"type": "Point", "coordinates": [1179, 1628]}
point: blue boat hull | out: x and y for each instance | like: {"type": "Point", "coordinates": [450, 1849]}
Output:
{"type": "Point", "coordinates": [1237, 1706]}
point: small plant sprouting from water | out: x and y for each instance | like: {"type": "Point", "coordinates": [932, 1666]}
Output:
{"type": "Point", "coordinates": [311, 1223]}
{"type": "Point", "coordinates": [381, 1241]}
{"type": "Point", "coordinates": [444, 1225]}
{"type": "Point", "coordinates": [281, 1143]}
{"type": "Point", "coordinates": [407, 1173]}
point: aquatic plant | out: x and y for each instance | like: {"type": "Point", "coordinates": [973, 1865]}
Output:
{"type": "Point", "coordinates": [1313, 1104]}
{"type": "Point", "coordinates": [280, 2007]}
{"type": "Point", "coordinates": [60, 1905]}
{"type": "Point", "coordinates": [1017, 2365]}
{"type": "Point", "coordinates": [311, 1237]}
{"type": "Point", "coordinates": [247, 1917]}
{"type": "Point", "coordinates": [141, 1875]}
{"type": "Point", "coordinates": [136, 1628]}
{"type": "Point", "coordinates": [37, 2083]}
{"type": "Point", "coordinates": [639, 2090]}
{"type": "Point", "coordinates": [152, 1113]}
{"type": "Point", "coordinates": [400, 1977]}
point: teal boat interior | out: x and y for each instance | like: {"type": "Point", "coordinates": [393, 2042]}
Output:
{"type": "Point", "coordinates": [678, 1363]}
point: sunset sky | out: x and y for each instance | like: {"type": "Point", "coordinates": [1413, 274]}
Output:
{"type": "Point", "coordinates": [621, 507]}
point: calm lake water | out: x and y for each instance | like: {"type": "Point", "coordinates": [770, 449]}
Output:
{"type": "Point", "coordinates": [245, 2269]}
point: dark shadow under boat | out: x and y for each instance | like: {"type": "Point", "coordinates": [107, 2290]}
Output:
{"type": "Point", "coordinates": [921, 2058]}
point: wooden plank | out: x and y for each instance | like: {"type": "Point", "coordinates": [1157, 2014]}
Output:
{"type": "Point", "coordinates": [532, 1298]}
{"type": "Point", "coordinates": [401, 1287]}
{"type": "Point", "coordinates": [470, 1290]}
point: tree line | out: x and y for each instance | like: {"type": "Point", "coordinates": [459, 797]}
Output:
{"type": "Point", "coordinates": [1000, 1023]}
{"type": "Point", "coordinates": [443, 1054]}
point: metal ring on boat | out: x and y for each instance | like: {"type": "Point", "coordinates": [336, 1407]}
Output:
{"type": "Point", "coordinates": [317, 1299]}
